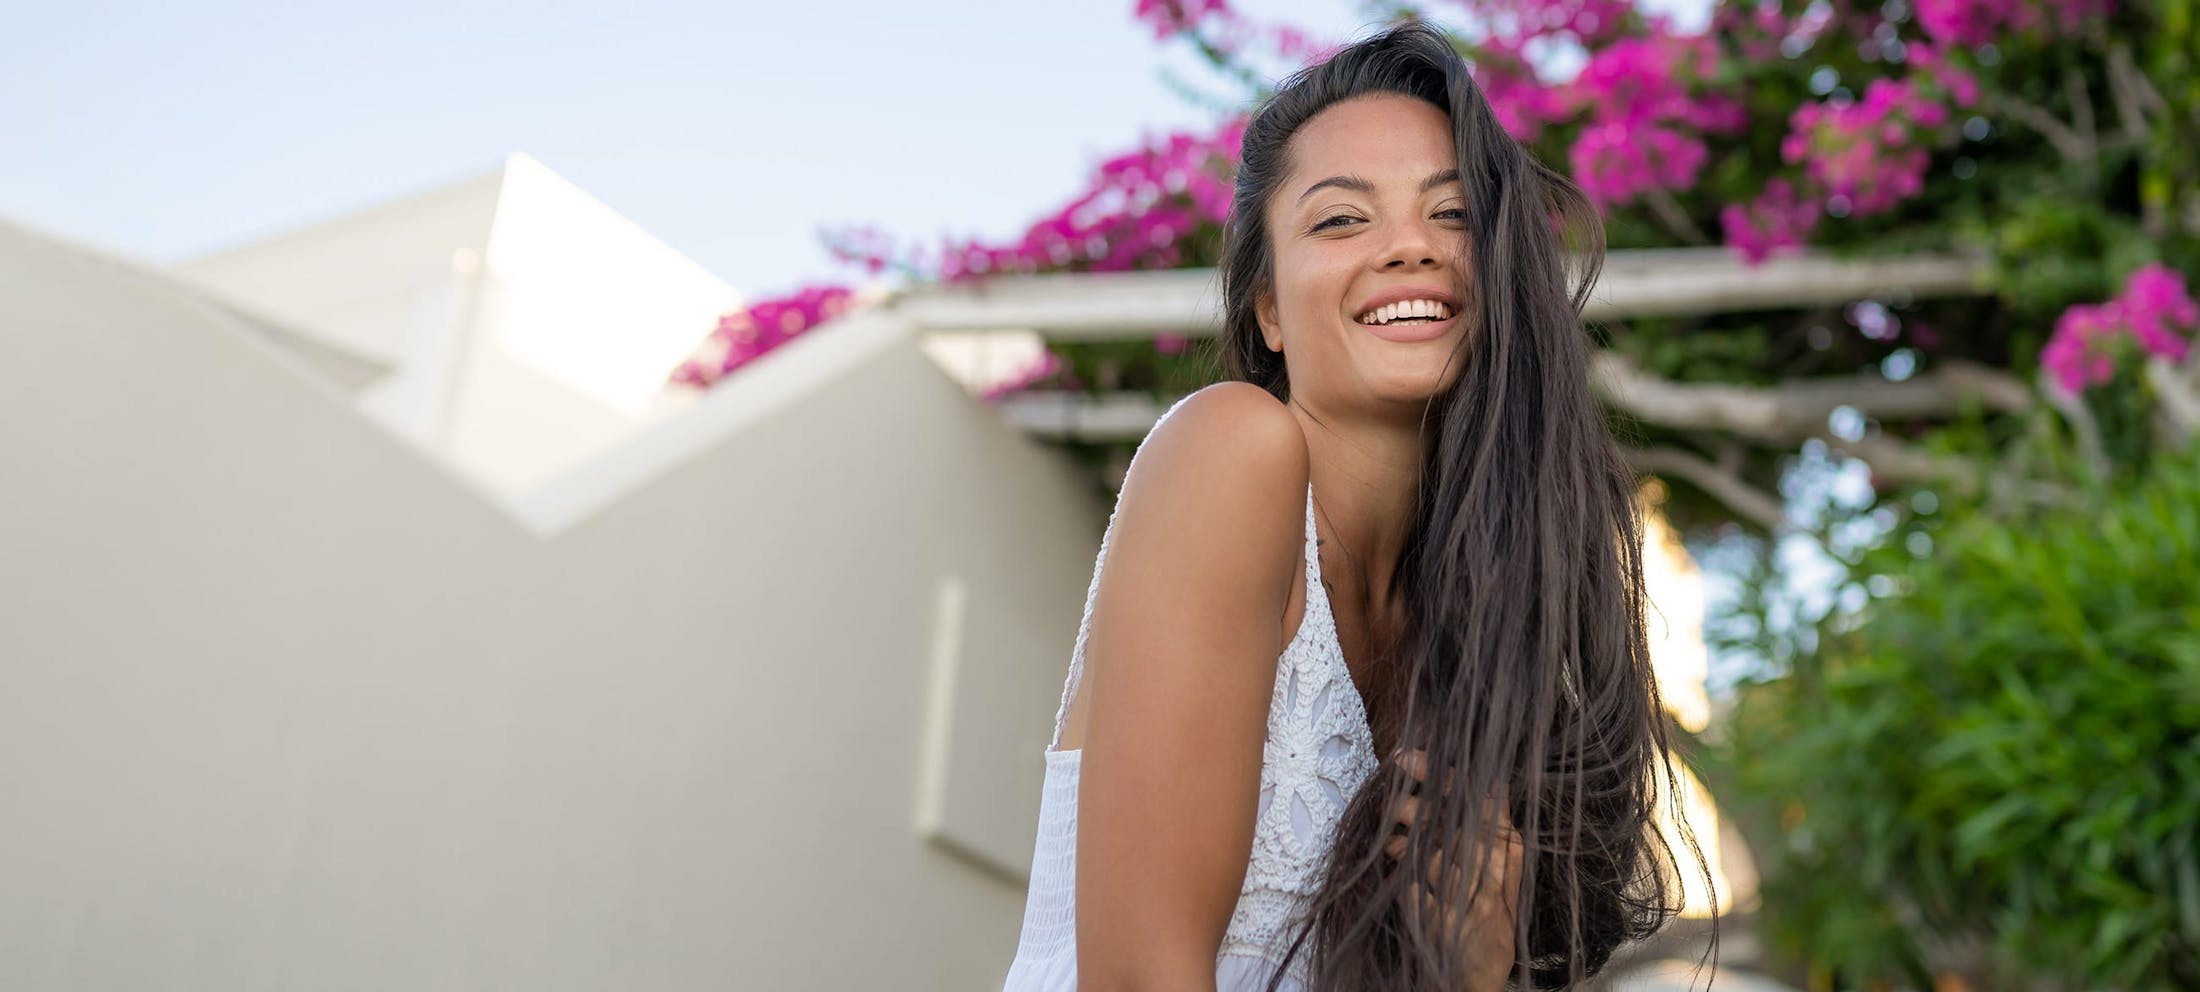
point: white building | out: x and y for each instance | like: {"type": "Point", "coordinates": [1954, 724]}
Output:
{"type": "Point", "coordinates": [523, 325]}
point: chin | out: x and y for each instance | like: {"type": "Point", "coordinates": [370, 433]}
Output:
{"type": "Point", "coordinates": [1409, 390]}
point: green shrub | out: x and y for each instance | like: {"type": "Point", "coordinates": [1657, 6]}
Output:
{"type": "Point", "coordinates": [2002, 753]}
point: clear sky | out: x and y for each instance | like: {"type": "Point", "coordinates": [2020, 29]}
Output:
{"type": "Point", "coordinates": [732, 131]}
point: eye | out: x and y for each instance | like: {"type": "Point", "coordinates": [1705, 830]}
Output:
{"type": "Point", "coordinates": [1458, 212]}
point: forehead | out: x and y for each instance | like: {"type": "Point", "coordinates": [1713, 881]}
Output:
{"type": "Point", "coordinates": [1390, 139]}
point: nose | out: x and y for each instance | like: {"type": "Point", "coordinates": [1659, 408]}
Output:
{"type": "Point", "coordinates": [1411, 247]}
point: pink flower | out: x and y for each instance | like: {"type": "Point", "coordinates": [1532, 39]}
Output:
{"type": "Point", "coordinates": [1522, 103]}
{"type": "Point", "coordinates": [1139, 207]}
{"type": "Point", "coordinates": [1047, 365]}
{"type": "Point", "coordinates": [1980, 22]}
{"type": "Point", "coordinates": [1775, 221]}
{"type": "Point", "coordinates": [1872, 152]}
{"type": "Point", "coordinates": [1615, 162]}
{"type": "Point", "coordinates": [1591, 22]}
{"type": "Point", "coordinates": [1644, 125]}
{"type": "Point", "coordinates": [2078, 354]}
{"type": "Point", "coordinates": [1960, 86]}
{"type": "Point", "coordinates": [1756, 29]}
{"type": "Point", "coordinates": [2154, 310]}
{"type": "Point", "coordinates": [2155, 303]}
{"type": "Point", "coordinates": [748, 334]}
{"type": "Point", "coordinates": [1169, 17]}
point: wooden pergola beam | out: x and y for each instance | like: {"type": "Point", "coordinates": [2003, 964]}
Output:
{"type": "Point", "coordinates": [1784, 413]}
{"type": "Point", "coordinates": [1094, 306]}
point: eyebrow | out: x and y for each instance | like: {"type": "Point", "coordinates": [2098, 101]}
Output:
{"type": "Point", "coordinates": [1360, 185]}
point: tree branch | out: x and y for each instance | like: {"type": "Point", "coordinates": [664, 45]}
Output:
{"type": "Point", "coordinates": [1752, 503]}
{"type": "Point", "coordinates": [2081, 106]}
{"type": "Point", "coordinates": [2057, 133]}
{"type": "Point", "coordinates": [2125, 93]}
{"type": "Point", "coordinates": [1897, 462]}
{"type": "Point", "coordinates": [2148, 98]}
{"type": "Point", "coordinates": [2179, 399]}
{"type": "Point", "coordinates": [1675, 219]}
{"type": "Point", "coordinates": [1792, 411]}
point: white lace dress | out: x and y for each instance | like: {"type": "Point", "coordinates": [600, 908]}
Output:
{"type": "Point", "coordinates": [1318, 752]}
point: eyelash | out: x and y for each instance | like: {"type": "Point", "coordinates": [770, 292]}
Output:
{"type": "Point", "coordinates": [1325, 223]}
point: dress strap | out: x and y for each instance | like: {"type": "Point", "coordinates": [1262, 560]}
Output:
{"type": "Point", "coordinates": [1313, 537]}
{"type": "Point", "coordinates": [1316, 597]}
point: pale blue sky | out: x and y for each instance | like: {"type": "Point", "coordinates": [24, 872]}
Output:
{"type": "Point", "coordinates": [731, 130]}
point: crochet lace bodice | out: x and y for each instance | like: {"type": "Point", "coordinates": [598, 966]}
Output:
{"type": "Point", "coordinates": [1318, 752]}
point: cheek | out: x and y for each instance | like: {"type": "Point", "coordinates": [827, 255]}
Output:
{"type": "Point", "coordinates": [1323, 280]}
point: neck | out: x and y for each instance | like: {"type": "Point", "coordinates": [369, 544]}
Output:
{"type": "Point", "coordinates": [1364, 472]}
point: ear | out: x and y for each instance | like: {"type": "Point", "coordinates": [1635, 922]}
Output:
{"type": "Point", "coordinates": [1271, 330]}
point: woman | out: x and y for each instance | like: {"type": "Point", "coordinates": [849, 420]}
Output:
{"type": "Point", "coordinates": [1400, 529]}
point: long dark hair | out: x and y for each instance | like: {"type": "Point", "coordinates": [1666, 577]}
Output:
{"type": "Point", "coordinates": [1523, 665]}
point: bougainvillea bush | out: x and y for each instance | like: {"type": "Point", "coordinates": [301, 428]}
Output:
{"type": "Point", "coordinates": [2053, 142]}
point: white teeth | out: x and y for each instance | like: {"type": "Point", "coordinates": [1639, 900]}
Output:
{"type": "Point", "coordinates": [1406, 308]}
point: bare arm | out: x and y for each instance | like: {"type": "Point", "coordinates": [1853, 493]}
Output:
{"type": "Point", "coordinates": [1181, 659]}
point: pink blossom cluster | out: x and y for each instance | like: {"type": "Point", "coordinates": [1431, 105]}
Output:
{"type": "Point", "coordinates": [1048, 365]}
{"type": "Point", "coordinates": [1227, 31]}
{"type": "Point", "coordinates": [1871, 153]}
{"type": "Point", "coordinates": [1644, 127]}
{"type": "Point", "coordinates": [744, 336]}
{"type": "Point", "coordinates": [1775, 221]}
{"type": "Point", "coordinates": [1644, 124]}
{"type": "Point", "coordinates": [1590, 22]}
{"type": "Point", "coordinates": [1522, 103]}
{"type": "Point", "coordinates": [1616, 161]}
{"type": "Point", "coordinates": [1859, 156]}
{"type": "Point", "coordinates": [1134, 214]}
{"type": "Point", "coordinates": [1171, 17]}
{"type": "Point", "coordinates": [1651, 77]}
{"type": "Point", "coordinates": [2153, 310]}
{"type": "Point", "coordinates": [1757, 30]}
{"type": "Point", "coordinates": [1980, 22]}
{"type": "Point", "coordinates": [1929, 65]}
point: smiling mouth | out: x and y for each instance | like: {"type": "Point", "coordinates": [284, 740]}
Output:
{"type": "Point", "coordinates": [1412, 331]}
{"type": "Point", "coordinates": [1407, 312]}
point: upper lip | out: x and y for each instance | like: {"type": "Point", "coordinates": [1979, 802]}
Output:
{"type": "Point", "coordinates": [1403, 293]}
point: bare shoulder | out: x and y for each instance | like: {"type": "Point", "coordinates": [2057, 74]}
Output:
{"type": "Point", "coordinates": [1235, 430]}
{"type": "Point", "coordinates": [1222, 480]}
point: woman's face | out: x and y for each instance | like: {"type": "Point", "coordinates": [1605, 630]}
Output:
{"type": "Point", "coordinates": [1372, 211]}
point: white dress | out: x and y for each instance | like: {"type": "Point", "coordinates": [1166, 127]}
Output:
{"type": "Point", "coordinates": [1319, 751]}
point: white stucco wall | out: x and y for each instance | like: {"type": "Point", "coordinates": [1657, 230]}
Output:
{"type": "Point", "coordinates": [287, 705]}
